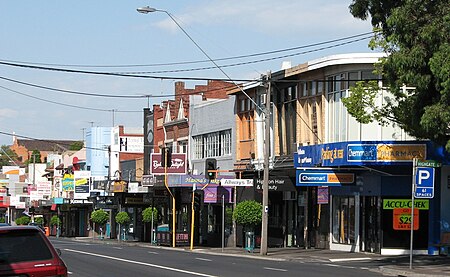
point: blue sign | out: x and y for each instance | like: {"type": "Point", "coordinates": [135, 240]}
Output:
{"type": "Point", "coordinates": [362, 153]}
{"type": "Point", "coordinates": [424, 182]}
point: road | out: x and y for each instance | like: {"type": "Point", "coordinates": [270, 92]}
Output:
{"type": "Point", "coordinates": [89, 259]}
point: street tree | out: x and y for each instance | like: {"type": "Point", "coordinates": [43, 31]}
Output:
{"type": "Point", "coordinates": [415, 36]}
{"type": "Point", "coordinates": [122, 218]}
{"type": "Point", "coordinates": [99, 217]}
{"type": "Point", "coordinates": [248, 214]}
{"type": "Point", "coordinates": [7, 156]}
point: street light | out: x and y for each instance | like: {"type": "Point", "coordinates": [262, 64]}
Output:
{"type": "Point", "coordinates": [266, 112]}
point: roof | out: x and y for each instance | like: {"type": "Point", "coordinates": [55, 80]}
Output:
{"type": "Point", "coordinates": [46, 145]}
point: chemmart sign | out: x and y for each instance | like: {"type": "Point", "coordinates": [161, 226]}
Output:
{"type": "Point", "coordinates": [390, 204]}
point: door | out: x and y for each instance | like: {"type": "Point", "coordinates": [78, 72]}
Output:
{"type": "Point", "coordinates": [370, 224]}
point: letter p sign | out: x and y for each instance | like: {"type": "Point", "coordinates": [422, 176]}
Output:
{"type": "Point", "coordinates": [422, 175]}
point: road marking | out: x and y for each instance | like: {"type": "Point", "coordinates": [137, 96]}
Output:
{"type": "Point", "coordinates": [349, 259]}
{"type": "Point", "coordinates": [69, 272]}
{"type": "Point", "coordinates": [140, 263]}
{"type": "Point", "coordinates": [151, 252]}
{"type": "Point", "coordinates": [276, 269]}
{"type": "Point", "coordinates": [203, 259]}
{"type": "Point", "coordinates": [117, 247]}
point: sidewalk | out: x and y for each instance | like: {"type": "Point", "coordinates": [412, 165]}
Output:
{"type": "Point", "coordinates": [423, 265]}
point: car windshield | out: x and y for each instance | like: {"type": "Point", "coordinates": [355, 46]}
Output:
{"type": "Point", "coordinates": [22, 245]}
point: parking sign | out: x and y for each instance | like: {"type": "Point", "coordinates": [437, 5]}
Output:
{"type": "Point", "coordinates": [424, 182]}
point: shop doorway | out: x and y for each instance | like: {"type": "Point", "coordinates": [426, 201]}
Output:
{"type": "Point", "coordinates": [370, 224]}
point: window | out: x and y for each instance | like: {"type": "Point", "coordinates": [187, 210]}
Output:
{"type": "Point", "coordinates": [212, 145]}
{"type": "Point", "coordinates": [343, 219]}
{"type": "Point", "coordinates": [182, 146]}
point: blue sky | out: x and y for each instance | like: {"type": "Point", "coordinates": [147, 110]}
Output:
{"type": "Point", "coordinates": [86, 34]}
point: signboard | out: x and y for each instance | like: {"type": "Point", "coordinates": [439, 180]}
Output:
{"type": "Point", "coordinates": [276, 183]}
{"type": "Point", "coordinates": [44, 188]}
{"type": "Point", "coordinates": [178, 164]}
{"type": "Point", "coordinates": [360, 153]}
{"type": "Point", "coordinates": [130, 144]}
{"type": "Point", "coordinates": [402, 219]}
{"type": "Point", "coordinates": [322, 195]}
{"type": "Point", "coordinates": [214, 195]}
{"type": "Point", "coordinates": [424, 182]}
{"type": "Point", "coordinates": [81, 184]}
{"type": "Point", "coordinates": [321, 178]}
{"type": "Point", "coordinates": [429, 163]}
{"type": "Point", "coordinates": [390, 204]}
{"type": "Point", "coordinates": [236, 182]}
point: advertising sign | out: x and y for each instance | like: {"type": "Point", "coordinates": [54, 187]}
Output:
{"type": "Point", "coordinates": [178, 164]}
{"type": "Point", "coordinates": [322, 195]}
{"type": "Point", "coordinates": [359, 153]}
{"type": "Point", "coordinates": [402, 219]}
{"type": "Point", "coordinates": [131, 144]}
{"type": "Point", "coordinates": [67, 182]}
{"type": "Point", "coordinates": [322, 178]}
{"type": "Point", "coordinates": [390, 204]}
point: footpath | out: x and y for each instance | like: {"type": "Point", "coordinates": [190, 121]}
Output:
{"type": "Point", "coordinates": [423, 265]}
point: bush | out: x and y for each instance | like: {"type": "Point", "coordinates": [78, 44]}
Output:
{"type": "Point", "coordinates": [39, 220]}
{"type": "Point", "coordinates": [99, 216]}
{"type": "Point", "coordinates": [55, 221]}
{"type": "Point", "coordinates": [248, 213]}
{"type": "Point", "coordinates": [2, 220]}
{"type": "Point", "coordinates": [122, 218]}
{"type": "Point", "coordinates": [23, 220]}
{"type": "Point", "coordinates": [147, 214]}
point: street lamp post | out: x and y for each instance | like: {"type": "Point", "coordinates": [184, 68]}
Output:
{"type": "Point", "coordinates": [266, 111]}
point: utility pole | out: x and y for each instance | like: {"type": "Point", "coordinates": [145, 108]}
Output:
{"type": "Point", "coordinates": [265, 204]}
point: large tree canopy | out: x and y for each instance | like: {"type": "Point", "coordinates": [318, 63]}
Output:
{"type": "Point", "coordinates": [415, 34]}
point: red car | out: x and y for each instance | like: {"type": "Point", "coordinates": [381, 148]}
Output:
{"type": "Point", "coordinates": [26, 251]}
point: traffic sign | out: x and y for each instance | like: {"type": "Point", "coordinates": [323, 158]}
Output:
{"type": "Point", "coordinates": [429, 163]}
{"type": "Point", "coordinates": [424, 182]}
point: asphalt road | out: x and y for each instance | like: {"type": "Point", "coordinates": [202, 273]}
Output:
{"type": "Point", "coordinates": [92, 259]}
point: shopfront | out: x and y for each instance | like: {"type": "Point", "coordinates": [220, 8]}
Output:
{"type": "Point", "coordinates": [369, 186]}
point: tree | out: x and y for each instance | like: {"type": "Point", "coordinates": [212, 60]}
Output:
{"type": "Point", "coordinates": [149, 214]}
{"type": "Point", "coordinates": [100, 217]}
{"type": "Point", "coordinates": [415, 36]}
{"type": "Point", "coordinates": [55, 221]}
{"type": "Point", "coordinates": [122, 218]}
{"type": "Point", "coordinates": [248, 213]}
{"type": "Point", "coordinates": [77, 145]}
{"type": "Point", "coordinates": [39, 220]}
{"type": "Point", "coordinates": [34, 158]}
{"type": "Point", "coordinates": [7, 156]}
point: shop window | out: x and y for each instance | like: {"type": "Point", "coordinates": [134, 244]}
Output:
{"type": "Point", "coordinates": [343, 219]}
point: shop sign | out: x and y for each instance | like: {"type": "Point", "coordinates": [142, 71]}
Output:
{"type": "Point", "coordinates": [134, 200]}
{"type": "Point", "coordinates": [236, 182]}
{"type": "Point", "coordinates": [119, 186]}
{"type": "Point", "coordinates": [178, 164]}
{"type": "Point", "coordinates": [276, 183]}
{"type": "Point", "coordinates": [402, 219]}
{"type": "Point", "coordinates": [359, 153]}
{"type": "Point", "coordinates": [390, 204]}
{"type": "Point", "coordinates": [320, 178]}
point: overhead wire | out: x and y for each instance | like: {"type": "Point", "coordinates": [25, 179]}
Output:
{"type": "Point", "coordinates": [197, 61]}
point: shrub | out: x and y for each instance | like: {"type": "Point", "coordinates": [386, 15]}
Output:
{"type": "Point", "coordinates": [122, 218]}
{"type": "Point", "coordinates": [99, 216]}
{"type": "Point", "coordinates": [248, 213]}
{"type": "Point", "coordinates": [23, 220]}
{"type": "Point", "coordinates": [147, 214]}
{"type": "Point", "coordinates": [55, 221]}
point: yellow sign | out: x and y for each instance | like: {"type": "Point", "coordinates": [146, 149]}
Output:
{"type": "Point", "coordinates": [401, 152]}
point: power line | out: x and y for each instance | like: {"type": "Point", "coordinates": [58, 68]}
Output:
{"type": "Point", "coordinates": [64, 104]}
{"type": "Point", "coordinates": [198, 61]}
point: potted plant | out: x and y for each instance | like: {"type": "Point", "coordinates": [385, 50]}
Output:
{"type": "Point", "coordinates": [248, 214]}
{"type": "Point", "coordinates": [122, 218]}
{"type": "Point", "coordinates": [100, 217]}
{"type": "Point", "coordinates": [150, 214]}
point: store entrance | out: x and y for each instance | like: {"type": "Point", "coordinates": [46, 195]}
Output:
{"type": "Point", "coordinates": [370, 224]}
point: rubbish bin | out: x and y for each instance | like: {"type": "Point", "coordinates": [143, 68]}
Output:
{"type": "Point", "coordinates": [47, 231]}
{"type": "Point", "coordinates": [249, 241]}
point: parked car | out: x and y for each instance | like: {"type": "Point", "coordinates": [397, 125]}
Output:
{"type": "Point", "coordinates": [4, 224]}
{"type": "Point", "coordinates": [26, 251]}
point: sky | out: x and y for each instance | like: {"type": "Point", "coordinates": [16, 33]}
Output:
{"type": "Point", "coordinates": [110, 36]}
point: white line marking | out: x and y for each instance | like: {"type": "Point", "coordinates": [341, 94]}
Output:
{"type": "Point", "coordinates": [349, 259]}
{"type": "Point", "coordinates": [140, 263]}
{"type": "Point", "coordinates": [276, 269]}
{"type": "Point", "coordinates": [335, 265]}
{"type": "Point", "coordinates": [69, 272]}
{"type": "Point", "coordinates": [115, 247]}
{"type": "Point", "coordinates": [202, 259]}
{"type": "Point", "coordinates": [151, 252]}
